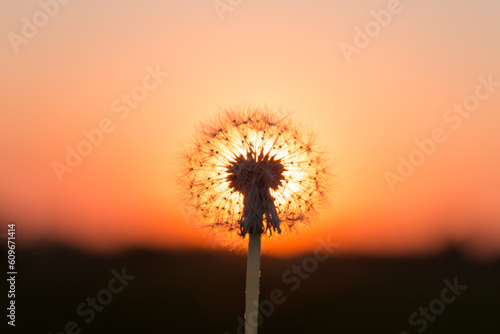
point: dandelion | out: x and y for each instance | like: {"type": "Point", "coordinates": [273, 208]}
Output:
{"type": "Point", "coordinates": [251, 172]}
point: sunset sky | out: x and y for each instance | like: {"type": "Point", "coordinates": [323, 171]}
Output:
{"type": "Point", "coordinates": [375, 79]}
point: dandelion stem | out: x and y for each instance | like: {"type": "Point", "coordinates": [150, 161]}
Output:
{"type": "Point", "coordinates": [252, 291]}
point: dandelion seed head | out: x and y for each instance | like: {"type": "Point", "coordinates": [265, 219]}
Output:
{"type": "Point", "coordinates": [252, 170]}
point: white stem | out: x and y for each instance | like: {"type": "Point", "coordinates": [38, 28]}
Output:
{"type": "Point", "coordinates": [252, 292]}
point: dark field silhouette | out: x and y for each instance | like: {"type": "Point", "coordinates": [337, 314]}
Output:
{"type": "Point", "coordinates": [203, 292]}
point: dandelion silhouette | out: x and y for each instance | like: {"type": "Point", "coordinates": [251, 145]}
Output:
{"type": "Point", "coordinates": [252, 172]}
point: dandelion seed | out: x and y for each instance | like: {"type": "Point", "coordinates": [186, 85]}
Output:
{"type": "Point", "coordinates": [263, 163]}
{"type": "Point", "coordinates": [253, 173]}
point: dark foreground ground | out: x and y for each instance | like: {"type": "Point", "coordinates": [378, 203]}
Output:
{"type": "Point", "coordinates": [203, 292]}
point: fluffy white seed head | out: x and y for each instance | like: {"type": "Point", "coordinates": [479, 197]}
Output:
{"type": "Point", "coordinates": [252, 170]}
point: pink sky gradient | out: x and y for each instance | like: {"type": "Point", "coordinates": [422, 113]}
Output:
{"type": "Point", "coordinates": [367, 113]}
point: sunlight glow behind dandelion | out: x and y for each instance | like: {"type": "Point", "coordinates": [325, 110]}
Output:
{"type": "Point", "coordinates": [252, 171]}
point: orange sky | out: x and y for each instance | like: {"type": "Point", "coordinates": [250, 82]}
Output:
{"type": "Point", "coordinates": [76, 69]}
